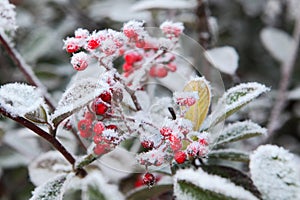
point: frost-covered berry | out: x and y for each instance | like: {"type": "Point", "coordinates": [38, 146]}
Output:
{"type": "Point", "coordinates": [203, 141]}
{"type": "Point", "coordinates": [89, 116]}
{"type": "Point", "coordinates": [98, 128]}
{"type": "Point", "coordinates": [106, 96]}
{"type": "Point", "coordinates": [112, 126]}
{"type": "Point", "coordinates": [140, 43]}
{"type": "Point", "coordinates": [84, 125]}
{"type": "Point", "coordinates": [180, 157]}
{"type": "Point", "coordinates": [99, 107]}
{"type": "Point", "coordinates": [93, 43]}
{"type": "Point", "coordinates": [100, 149]}
{"type": "Point", "coordinates": [149, 179]}
{"type": "Point", "coordinates": [71, 45]}
{"type": "Point", "coordinates": [81, 33]}
{"type": "Point", "coordinates": [80, 61]}
{"type": "Point", "coordinates": [175, 143]}
{"type": "Point", "coordinates": [85, 134]}
{"type": "Point", "coordinates": [97, 139]}
{"type": "Point", "coordinates": [132, 57]}
{"type": "Point", "coordinates": [171, 29]}
{"type": "Point", "coordinates": [171, 67]}
{"type": "Point", "coordinates": [127, 67]}
{"type": "Point", "coordinates": [147, 144]}
{"type": "Point", "coordinates": [165, 131]}
{"type": "Point", "coordinates": [158, 71]}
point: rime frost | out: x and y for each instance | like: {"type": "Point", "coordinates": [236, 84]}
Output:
{"type": "Point", "coordinates": [7, 16]}
{"type": "Point", "coordinates": [19, 99]}
{"type": "Point", "coordinates": [273, 171]}
{"type": "Point", "coordinates": [209, 182]}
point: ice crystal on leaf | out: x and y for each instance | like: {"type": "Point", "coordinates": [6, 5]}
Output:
{"type": "Point", "coordinates": [7, 16]}
{"type": "Point", "coordinates": [19, 99]}
{"type": "Point", "coordinates": [274, 173]}
{"type": "Point", "coordinates": [212, 184]}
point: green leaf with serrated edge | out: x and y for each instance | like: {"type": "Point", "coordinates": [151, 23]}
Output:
{"type": "Point", "coordinates": [75, 98]}
{"type": "Point", "coordinates": [198, 184]}
{"type": "Point", "coordinates": [240, 131]}
{"type": "Point", "coordinates": [229, 154]}
{"type": "Point", "coordinates": [146, 193]}
{"type": "Point", "coordinates": [192, 192]}
{"type": "Point", "coordinates": [51, 190]}
{"type": "Point", "coordinates": [234, 175]}
{"type": "Point", "coordinates": [197, 112]}
{"type": "Point", "coordinates": [233, 100]}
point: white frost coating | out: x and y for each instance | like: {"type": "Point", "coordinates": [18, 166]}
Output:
{"type": "Point", "coordinates": [7, 16]}
{"type": "Point", "coordinates": [273, 172]}
{"type": "Point", "coordinates": [19, 99]}
{"type": "Point", "coordinates": [50, 190]}
{"type": "Point", "coordinates": [209, 182]}
{"type": "Point", "coordinates": [278, 43]}
{"type": "Point", "coordinates": [96, 179]}
{"type": "Point", "coordinates": [223, 58]}
{"type": "Point", "coordinates": [163, 4]}
{"type": "Point", "coordinates": [78, 95]}
{"type": "Point", "coordinates": [46, 166]}
{"type": "Point", "coordinates": [240, 130]}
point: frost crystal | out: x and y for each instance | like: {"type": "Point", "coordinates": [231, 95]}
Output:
{"type": "Point", "coordinates": [209, 182]}
{"type": "Point", "coordinates": [273, 171]}
{"type": "Point", "coordinates": [7, 16]}
{"type": "Point", "coordinates": [172, 28]}
{"type": "Point", "coordinates": [19, 99]}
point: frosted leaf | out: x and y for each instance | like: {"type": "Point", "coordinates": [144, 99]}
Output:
{"type": "Point", "coordinates": [7, 16]}
{"type": "Point", "coordinates": [95, 186]}
{"type": "Point", "coordinates": [234, 99]}
{"type": "Point", "coordinates": [191, 184]}
{"type": "Point", "coordinates": [163, 4]}
{"type": "Point", "coordinates": [278, 43]}
{"type": "Point", "coordinates": [229, 154]}
{"type": "Point", "coordinates": [223, 58]}
{"type": "Point", "coordinates": [273, 171]}
{"type": "Point", "coordinates": [239, 131]}
{"type": "Point", "coordinates": [51, 190]}
{"type": "Point", "coordinates": [76, 97]}
{"type": "Point", "coordinates": [143, 192]}
{"type": "Point", "coordinates": [197, 112]}
{"type": "Point", "coordinates": [46, 166]}
{"type": "Point", "coordinates": [19, 99]}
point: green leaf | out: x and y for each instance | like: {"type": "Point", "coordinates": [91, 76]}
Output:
{"type": "Point", "coordinates": [51, 190]}
{"type": "Point", "coordinates": [233, 100]}
{"type": "Point", "coordinates": [75, 98]}
{"type": "Point", "coordinates": [234, 175]}
{"type": "Point", "coordinates": [197, 112]}
{"type": "Point", "coordinates": [146, 193]}
{"type": "Point", "coordinates": [240, 131]}
{"type": "Point", "coordinates": [229, 154]}
{"type": "Point", "coordinates": [198, 184]}
{"type": "Point", "coordinates": [191, 191]}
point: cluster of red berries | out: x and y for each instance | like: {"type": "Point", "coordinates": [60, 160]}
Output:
{"type": "Point", "coordinates": [90, 126]}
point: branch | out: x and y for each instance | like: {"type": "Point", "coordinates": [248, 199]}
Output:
{"type": "Point", "coordinates": [286, 72]}
{"type": "Point", "coordinates": [51, 139]}
{"type": "Point", "coordinates": [202, 13]}
{"type": "Point", "coordinates": [25, 69]}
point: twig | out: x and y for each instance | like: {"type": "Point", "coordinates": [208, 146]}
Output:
{"type": "Point", "coordinates": [28, 124]}
{"type": "Point", "coordinates": [202, 23]}
{"type": "Point", "coordinates": [286, 71]}
{"type": "Point", "coordinates": [25, 69]}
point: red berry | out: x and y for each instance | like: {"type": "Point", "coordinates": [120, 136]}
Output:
{"type": "Point", "coordinates": [93, 43]}
{"type": "Point", "coordinates": [98, 128]}
{"type": "Point", "coordinates": [152, 71]}
{"type": "Point", "coordinates": [106, 96]}
{"type": "Point", "coordinates": [203, 141]}
{"type": "Point", "coordinates": [100, 107]}
{"type": "Point", "coordinates": [175, 143]}
{"type": "Point", "coordinates": [89, 116]}
{"type": "Point", "coordinates": [130, 32]}
{"type": "Point", "coordinates": [127, 67]}
{"type": "Point", "coordinates": [130, 58]}
{"type": "Point", "coordinates": [161, 72]}
{"type": "Point", "coordinates": [112, 126]}
{"type": "Point", "coordinates": [84, 125]}
{"type": "Point", "coordinates": [97, 139]}
{"type": "Point", "coordinates": [85, 134]}
{"type": "Point", "coordinates": [140, 43]}
{"type": "Point", "coordinates": [147, 144]}
{"type": "Point", "coordinates": [101, 149]}
{"type": "Point", "coordinates": [72, 48]}
{"type": "Point", "coordinates": [139, 182]}
{"type": "Point", "coordinates": [149, 179]}
{"type": "Point", "coordinates": [180, 157]}
{"type": "Point", "coordinates": [165, 131]}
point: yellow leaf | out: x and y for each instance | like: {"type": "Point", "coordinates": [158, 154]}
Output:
{"type": "Point", "coordinates": [197, 112]}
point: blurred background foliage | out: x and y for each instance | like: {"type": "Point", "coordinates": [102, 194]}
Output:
{"type": "Point", "coordinates": [44, 24]}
